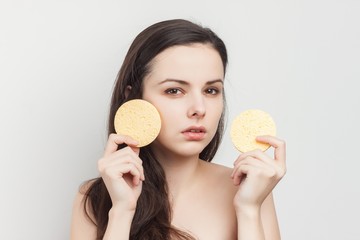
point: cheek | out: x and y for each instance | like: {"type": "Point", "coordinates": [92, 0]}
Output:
{"type": "Point", "coordinates": [170, 113]}
{"type": "Point", "coordinates": [214, 115]}
{"type": "Point", "coordinates": [216, 109]}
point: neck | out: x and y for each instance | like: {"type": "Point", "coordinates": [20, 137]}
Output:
{"type": "Point", "coordinates": [181, 172]}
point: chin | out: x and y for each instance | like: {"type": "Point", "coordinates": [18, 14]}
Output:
{"type": "Point", "coordinates": [192, 148]}
{"type": "Point", "coordinates": [185, 149]}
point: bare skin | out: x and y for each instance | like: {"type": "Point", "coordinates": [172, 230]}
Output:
{"type": "Point", "coordinates": [210, 203]}
{"type": "Point", "coordinates": [208, 200]}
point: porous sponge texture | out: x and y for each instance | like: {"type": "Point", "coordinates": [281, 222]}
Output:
{"type": "Point", "coordinates": [247, 126]}
{"type": "Point", "coordinates": [138, 119]}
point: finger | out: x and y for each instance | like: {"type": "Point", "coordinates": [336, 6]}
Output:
{"type": "Point", "coordinates": [125, 153]}
{"type": "Point", "coordinates": [261, 168]}
{"type": "Point", "coordinates": [256, 154]}
{"type": "Point", "coordinates": [136, 173]}
{"type": "Point", "coordinates": [240, 173]}
{"type": "Point", "coordinates": [137, 165]}
{"type": "Point", "coordinates": [279, 147]}
{"type": "Point", "coordinates": [115, 140]}
{"type": "Point", "coordinates": [121, 171]}
{"type": "Point", "coordinates": [240, 158]}
{"type": "Point", "coordinates": [249, 160]}
{"type": "Point", "coordinates": [120, 158]}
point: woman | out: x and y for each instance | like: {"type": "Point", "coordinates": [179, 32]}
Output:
{"type": "Point", "coordinates": [170, 189]}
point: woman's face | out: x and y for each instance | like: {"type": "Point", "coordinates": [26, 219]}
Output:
{"type": "Point", "coordinates": [185, 84]}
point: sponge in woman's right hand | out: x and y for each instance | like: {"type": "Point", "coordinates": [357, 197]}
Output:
{"type": "Point", "coordinates": [138, 119]}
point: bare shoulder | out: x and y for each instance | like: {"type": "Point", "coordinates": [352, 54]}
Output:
{"type": "Point", "coordinates": [214, 201]}
{"type": "Point", "coordinates": [221, 184]}
{"type": "Point", "coordinates": [220, 176]}
{"type": "Point", "coordinates": [217, 170]}
{"type": "Point", "coordinates": [80, 203]}
{"type": "Point", "coordinates": [82, 225]}
{"type": "Point", "coordinates": [216, 166]}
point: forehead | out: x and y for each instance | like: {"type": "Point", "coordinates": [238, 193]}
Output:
{"type": "Point", "coordinates": [193, 62]}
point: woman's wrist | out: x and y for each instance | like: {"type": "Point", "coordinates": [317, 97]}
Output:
{"type": "Point", "coordinates": [119, 223]}
{"type": "Point", "coordinates": [117, 211]}
{"type": "Point", "coordinates": [249, 211]}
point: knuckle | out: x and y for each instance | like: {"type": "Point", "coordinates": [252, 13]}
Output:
{"type": "Point", "coordinates": [272, 173]}
{"type": "Point", "coordinates": [112, 136]}
{"type": "Point", "coordinates": [282, 143]}
{"type": "Point", "coordinates": [257, 172]}
{"type": "Point", "coordinates": [105, 171]}
{"type": "Point", "coordinates": [129, 155]}
{"type": "Point", "coordinates": [100, 164]}
{"type": "Point", "coordinates": [129, 151]}
{"type": "Point", "coordinates": [281, 172]}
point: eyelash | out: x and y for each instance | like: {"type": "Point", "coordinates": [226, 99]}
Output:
{"type": "Point", "coordinates": [171, 91]}
{"type": "Point", "coordinates": [176, 91]}
{"type": "Point", "coordinates": [214, 91]}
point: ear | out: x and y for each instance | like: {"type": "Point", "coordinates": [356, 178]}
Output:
{"type": "Point", "coordinates": [127, 91]}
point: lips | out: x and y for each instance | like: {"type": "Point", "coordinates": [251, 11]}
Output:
{"type": "Point", "coordinates": [194, 133]}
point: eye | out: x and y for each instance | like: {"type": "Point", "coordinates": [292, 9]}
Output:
{"type": "Point", "coordinates": [212, 91]}
{"type": "Point", "coordinates": [173, 91]}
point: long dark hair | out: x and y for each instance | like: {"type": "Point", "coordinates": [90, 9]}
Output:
{"type": "Point", "coordinates": [152, 219]}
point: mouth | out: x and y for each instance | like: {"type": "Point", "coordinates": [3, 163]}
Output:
{"type": "Point", "coordinates": [195, 129]}
{"type": "Point", "coordinates": [194, 133]}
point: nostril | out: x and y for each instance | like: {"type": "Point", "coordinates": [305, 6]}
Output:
{"type": "Point", "coordinates": [198, 114]}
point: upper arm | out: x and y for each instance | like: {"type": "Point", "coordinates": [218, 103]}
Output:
{"type": "Point", "coordinates": [81, 226]}
{"type": "Point", "coordinates": [269, 219]}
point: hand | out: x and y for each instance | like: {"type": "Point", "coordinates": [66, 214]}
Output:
{"type": "Point", "coordinates": [122, 171]}
{"type": "Point", "coordinates": [257, 174]}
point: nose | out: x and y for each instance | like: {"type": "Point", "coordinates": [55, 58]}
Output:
{"type": "Point", "coordinates": [197, 108]}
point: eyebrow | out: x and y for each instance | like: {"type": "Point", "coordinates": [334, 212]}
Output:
{"type": "Point", "coordinates": [182, 82]}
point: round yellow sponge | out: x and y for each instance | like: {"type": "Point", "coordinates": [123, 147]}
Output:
{"type": "Point", "coordinates": [247, 126]}
{"type": "Point", "coordinates": [138, 119]}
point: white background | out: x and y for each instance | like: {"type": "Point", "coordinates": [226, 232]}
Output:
{"type": "Point", "coordinates": [297, 60]}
